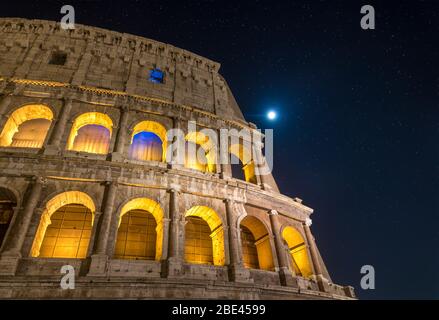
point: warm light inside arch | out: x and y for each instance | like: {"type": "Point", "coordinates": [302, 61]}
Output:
{"type": "Point", "coordinates": [204, 142]}
{"type": "Point", "coordinates": [262, 241]}
{"type": "Point", "coordinates": [156, 210]}
{"type": "Point", "coordinates": [89, 118]}
{"type": "Point", "coordinates": [216, 228]}
{"type": "Point", "coordinates": [60, 200]}
{"type": "Point", "coordinates": [245, 156]}
{"type": "Point", "coordinates": [154, 127]}
{"type": "Point", "coordinates": [298, 251]}
{"type": "Point", "coordinates": [20, 116]}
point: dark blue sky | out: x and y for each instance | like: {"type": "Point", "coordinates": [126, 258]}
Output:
{"type": "Point", "coordinates": [358, 131]}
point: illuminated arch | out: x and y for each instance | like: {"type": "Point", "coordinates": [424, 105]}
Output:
{"type": "Point", "coordinates": [245, 156]}
{"type": "Point", "coordinates": [146, 206]}
{"type": "Point", "coordinates": [262, 243]}
{"type": "Point", "coordinates": [96, 122]}
{"type": "Point", "coordinates": [298, 252]}
{"type": "Point", "coordinates": [202, 141]}
{"type": "Point", "coordinates": [52, 207]}
{"type": "Point", "coordinates": [19, 117]}
{"type": "Point", "coordinates": [198, 249]}
{"type": "Point", "coordinates": [155, 128]}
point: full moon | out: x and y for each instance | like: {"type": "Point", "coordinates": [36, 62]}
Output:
{"type": "Point", "coordinates": [271, 115]}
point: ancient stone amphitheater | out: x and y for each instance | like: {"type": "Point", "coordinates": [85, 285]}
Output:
{"type": "Point", "coordinates": [86, 181]}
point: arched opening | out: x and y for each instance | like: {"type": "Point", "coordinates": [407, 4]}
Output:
{"type": "Point", "coordinates": [299, 260]}
{"type": "Point", "coordinates": [204, 237]}
{"type": "Point", "coordinates": [200, 153]}
{"type": "Point", "coordinates": [8, 202]}
{"type": "Point", "coordinates": [255, 237]}
{"type": "Point", "coordinates": [236, 166]}
{"type": "Point", "coordinates": [65, 227]}
{"type": "Point", "coordinates": [27, 127]}
{"type": "Point", "coordinates": [247, 164]}
{"type": "Point", "coordinates": [140, 231]}
{"type": "Point", "coordinates": [249, 249]}
{"type": "Point", "coordinates": [148, 142]}
{"type": "Point", "coordinates": [91, 132]}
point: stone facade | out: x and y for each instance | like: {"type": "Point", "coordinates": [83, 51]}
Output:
{"type": "Point", "coordinates": [106, 72]}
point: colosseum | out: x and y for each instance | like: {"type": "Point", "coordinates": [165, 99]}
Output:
{"type": "Point", "coordinates": [86, 179]}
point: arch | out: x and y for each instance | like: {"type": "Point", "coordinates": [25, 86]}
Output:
{"type": "Point", "coordinates": [91, 132]}
{"type": "Point", "coordinates": [299, 259]}
{"type": "Point", "coordinates": [135, 242]}
{"type": "Point", "coordinates": [76, 200]}
{"type": "Point", "coordinates": [155, 128]}
{"type": "Point", "coordinates": [198, 247]}
{"type": "Point", "coordinates": [8, 202]}
{"type": "Point", "coordinates": [245, 157]}
{"type": "Point", "coordinates": [18, 118]}
{"type": "Point", "coordinates": [261, 240]}
{"type": "Point", "coordinates": [203, 142]}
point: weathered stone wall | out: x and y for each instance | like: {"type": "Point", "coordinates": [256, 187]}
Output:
{"type": "Point", "coordinates": [106, 72]}
{"type": "Point", "coordinates": [111, 60]}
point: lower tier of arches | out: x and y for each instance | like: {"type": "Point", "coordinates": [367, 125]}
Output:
{"type": "Point", "coordinates": [115, 230]}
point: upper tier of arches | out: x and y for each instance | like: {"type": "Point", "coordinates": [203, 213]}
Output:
{"type": "Point", "coordinates": [145, 140]}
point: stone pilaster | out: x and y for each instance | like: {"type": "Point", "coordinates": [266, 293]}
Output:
{"type": "Point", "coordinates": [322, 282]}
{"type": "Point", "coordinates": [173, 266]}
{"type": "Point", "coordinates": [5, 101]}
{"type": "Point", "coordinates": [166, 228]}
{"type": "Point", "coordinates": [118, 153]}
{"type": "Point", "coordinates": [260, 164]}
{"type": "Point", "coordinates": [224, 155]}
{"type": "Point", "coordinates": [174, 156]}
{"type": "Point", "coordinates": [53, 147]}
{"type": "Point", "coordinates": [99, 258]}
{"type": "Point", "coordinates": [13, 244]}
{"type": "Point", "coordinates": [86, 59]}
{"type": "Point", "coordinates": [285, 275]}
{"type": "Point", "coordinates": [237, 271]}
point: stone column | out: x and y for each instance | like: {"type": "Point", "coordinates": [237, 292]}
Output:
{"type": "Point", "coordinates": [53, 147]}
{"type": "Point", "coordinates": [224, 155]}
{"type": "Point", "coordinates": [99, 258]}
{"type": "Point", "coordinates": [237, 271]}
{"type": "Point", "coordinates": [322, 282]}
{"type": "Point", "coordinates": [285, 275]}
{"type": "Point", "coordinates": [173, 266]}
{"type": "Point", "coordinates": [14, 242]}
{"type": "Point", "coordinates": [259, 163]}
{"type": "Point", "coordinates": [117, 154]}
{"type": "Point", "coordinates": [5, 101]}
{"type": "Point", "coordinates": [172, 156]}
{"type": "Point", "coordinates": [165, 248]}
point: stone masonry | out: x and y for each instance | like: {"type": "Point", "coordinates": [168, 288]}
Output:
{"type": "Point", "coordinates": [106, 72]}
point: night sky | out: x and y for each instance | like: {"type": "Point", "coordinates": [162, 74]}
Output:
{"type": "Point", "coordinates": [358, 129]}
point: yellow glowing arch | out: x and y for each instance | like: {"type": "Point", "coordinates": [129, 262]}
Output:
{"type": "Point", "coordinates": [298, 251]}
{"type": "Point", "coordinates": [217, 232]}
{"type": "Point", "coordinates": [206, 143]}
{"type": "Point", "coordinates": [156, 210]}
{"type": "Point", "coordinates": [245, 156]}
{"type": "Point", "coordinates": [262, 241]}
{"type": "Point", "coordinates": [60, 200]}
{"type": "Point", "coordinates": [21, 115]}
{"type": "Point", "coordinates": [154, 127]}
{"type": "Point", "coordinates": [84, 119]}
